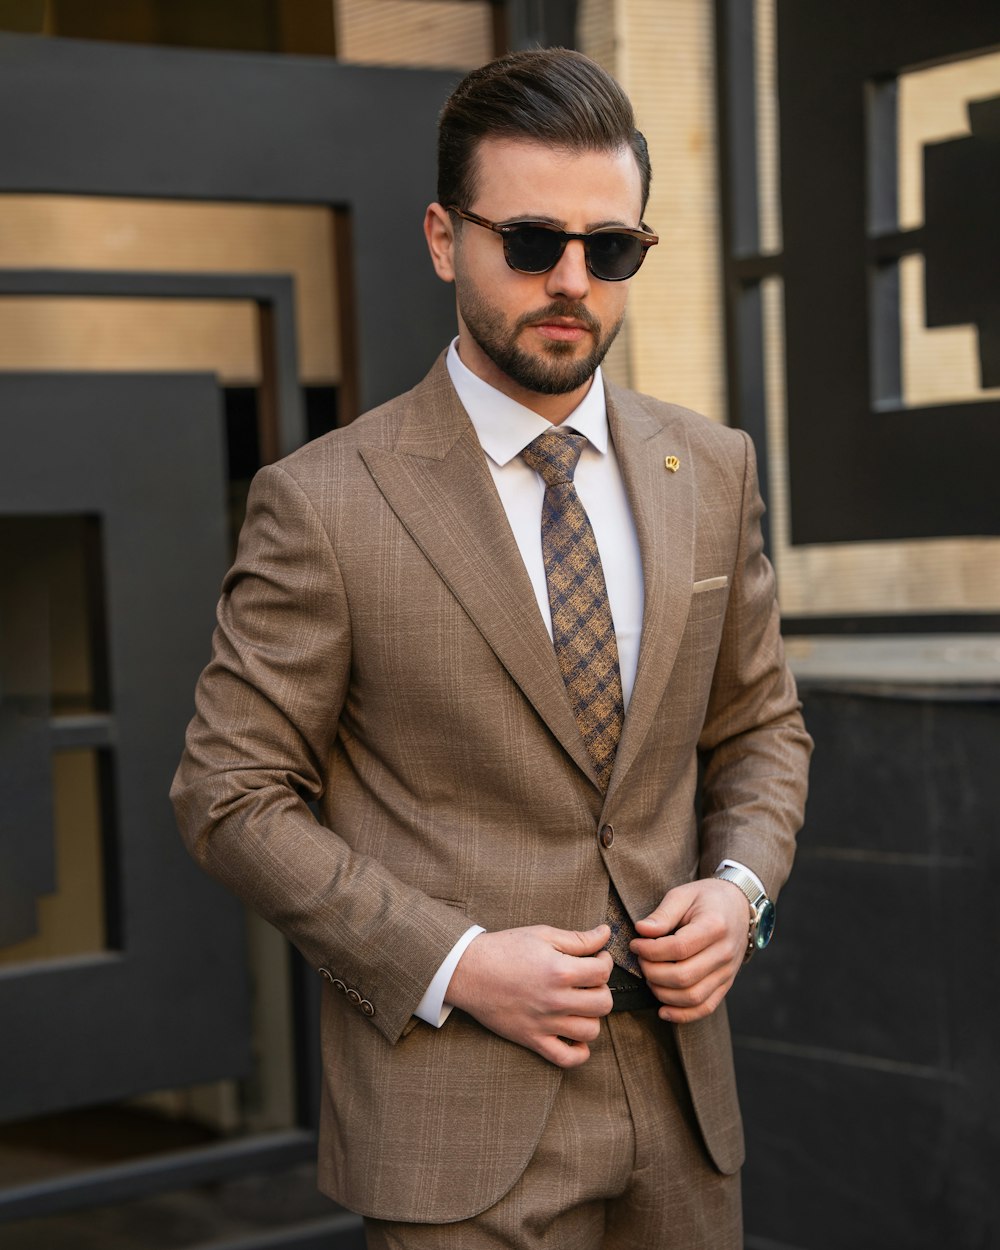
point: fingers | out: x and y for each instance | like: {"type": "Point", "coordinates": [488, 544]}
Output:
{"type": "Point", "coordinates": [573, 942]}
{"type": "Point", "coordinates": [564, 1054]}
{"type": "Point", "coordinates": [687, 1015]}
{"type": "Point", "coordinates": [584, 973]}
{"type": "Point", "coordinates": [595, 1002]}
{"type": "Point", "coordinates": [686, 987]}
{"type": "Point", "coordinates": [685, 974]}
{"type": "Point", "coordinates": [541, 987]}
{"type": "Point", "coordinates": [690, 972]}
{"type": "Point", "coordinates": [583, 968]}
{"type": "Point", "coordinates": [580, 990]}
{"type": "Point", "coordinates": [689, 902]}
{"type": "Point", "coordinates": [706, 919]}
{"type": "Point", "coordinates": [667, 916]}
{"type": "Point", "coordinates": [688, 941]}
{"type": "Point", "coordinates": [567, 1045]}
{"type": "Point", "coordinates": [564, 1037]}
{"type": "Point", "coordinates": [573, 1028]}
{"type": "Point", "coordinates": [692, 989]}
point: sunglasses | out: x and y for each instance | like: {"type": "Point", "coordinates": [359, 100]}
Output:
{"type": "Point", "coordinates": [612, 252]}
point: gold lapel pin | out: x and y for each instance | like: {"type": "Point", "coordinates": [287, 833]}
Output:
{"type": "Point", "coordinates": [672, 463]}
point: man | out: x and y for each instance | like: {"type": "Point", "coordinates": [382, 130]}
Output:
{"type": "Point", "coordinates": [489, 628]}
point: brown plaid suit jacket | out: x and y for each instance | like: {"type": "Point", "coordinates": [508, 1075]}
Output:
{"type": "Point", "coordinates": [380, 651]}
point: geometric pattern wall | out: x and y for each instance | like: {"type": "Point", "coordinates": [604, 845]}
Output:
{"type": "Point", "coordinates": [140, 456]}
{"type": "Point", "coordinates": [863, 465]}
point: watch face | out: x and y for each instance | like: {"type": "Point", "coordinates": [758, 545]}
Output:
{"type": "Point", "coordinates": [765, 925]}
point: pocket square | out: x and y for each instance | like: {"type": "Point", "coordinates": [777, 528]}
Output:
{"type": "Point", "coordinates": [710, 583]}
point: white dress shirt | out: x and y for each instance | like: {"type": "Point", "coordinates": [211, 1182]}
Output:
{"type": "Point", "coordinates": [504, 428]}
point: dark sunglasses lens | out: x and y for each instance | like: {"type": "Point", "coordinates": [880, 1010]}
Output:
{"type": "Point", "coordinates": [533, 249]}
{"type": "Point", "coordinates": [614, 256]}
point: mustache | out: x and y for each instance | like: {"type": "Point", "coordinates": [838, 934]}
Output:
{"type": "Point", "coordinates": [561, 308]}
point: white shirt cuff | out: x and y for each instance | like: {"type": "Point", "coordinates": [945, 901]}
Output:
{"type": "Point", "coordinates": [734, 863]}
{"type": "Point", "coordinates": [432, 1007]}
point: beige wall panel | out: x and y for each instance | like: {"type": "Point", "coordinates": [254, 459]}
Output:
{"type": "Point", "coordinates": [415, 32]}
{"type": "Point", "coordinates": [939, 364]}
{"type": "Point", "coordinates": [932, 107]}
{"type": "Point", "coordinates": [665, 60]}
{"type": "Point", "coordinates": [943, 363]}
{"type": "Point", "coordinates": [216, 336]}
{"type": "Point", "coordinates": [920, 576]}
{"type": "Point", "coordinates": [630, 37]}
{"type": "Point", "coordinates": [597, 35]}
{"type": "Point", "coordinates": [597, 31]}
{"type": "Point", "coordinates": [768, 165]}
{"type": "Point", "coordinates": [95, 233]}
{"type": "Point", "coordinates": [70, 920]}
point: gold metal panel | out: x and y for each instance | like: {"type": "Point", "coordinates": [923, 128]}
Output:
{"type": "Point", "coordinates": [162, 235]}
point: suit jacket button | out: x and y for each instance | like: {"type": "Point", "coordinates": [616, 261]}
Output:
{"type": "Point", "coordinates": [339, 986]}
{"type": "Point", "coordinates": [355, 997]}
{"type": "Point", "coordinates": [367, 1008]}
{"type": "Point", "coordinates": [607, 836]}
{"type": "Point", "coordinates": [326, 974]}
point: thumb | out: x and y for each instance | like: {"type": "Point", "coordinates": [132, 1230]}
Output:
{"type": "Point", "coordinates": [575, 942]}
{"type": "Point", "coordinates": [666, 917]}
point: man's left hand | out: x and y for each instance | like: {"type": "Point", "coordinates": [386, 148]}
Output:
{"type": "Point", "coordinates": [692, 946]}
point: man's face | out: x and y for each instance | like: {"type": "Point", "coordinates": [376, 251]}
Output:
{"type": "Point", "coordinates": [533, 335]}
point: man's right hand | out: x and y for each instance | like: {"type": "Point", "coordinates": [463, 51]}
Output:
{"type": "Point", "coordinates": [543, 988]}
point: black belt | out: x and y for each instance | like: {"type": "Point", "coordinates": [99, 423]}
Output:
{"type": "Point", "coordinates": [629, 993]}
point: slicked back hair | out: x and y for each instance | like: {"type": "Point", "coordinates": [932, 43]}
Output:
{"type": "Point", "coordinates": [554, 96]}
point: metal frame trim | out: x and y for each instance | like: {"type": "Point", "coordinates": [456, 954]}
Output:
{"type": "Point", "coordinates": [177, 1169]}
{"type": "Point", "coordinates": [282, 414]}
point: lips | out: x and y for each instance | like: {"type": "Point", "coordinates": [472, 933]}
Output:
{"type": "Point", "coordinates": [560, 329]}
{"type": "Point", "coordinates": [562, 322]}
{"type": "Point", "coordinates": [569, 323]}
{"type": "Point", "coordinates": [561, 332]}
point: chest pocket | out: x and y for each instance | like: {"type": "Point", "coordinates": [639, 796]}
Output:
{"type": "Point", "coordinates": [709, 598]}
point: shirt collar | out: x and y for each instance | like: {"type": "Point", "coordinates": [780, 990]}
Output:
{"type": "Point", "coordinates": [505, 427]}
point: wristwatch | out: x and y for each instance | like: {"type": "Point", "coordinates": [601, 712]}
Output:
{"type": "Point", "coordinates": [761, 908]}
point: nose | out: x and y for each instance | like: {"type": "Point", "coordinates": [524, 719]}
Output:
{"type": "Point", "coordinates": [570, 277]}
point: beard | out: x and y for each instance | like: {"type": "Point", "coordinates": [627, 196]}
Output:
{"type": "Point", "coordinates": [555, 369]}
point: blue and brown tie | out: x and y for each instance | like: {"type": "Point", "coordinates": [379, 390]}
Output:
{"type": "Point", "coordinates": [583, 632]}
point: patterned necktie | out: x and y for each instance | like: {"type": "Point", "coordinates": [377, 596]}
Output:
{"type": "Point", "coordinates": [583, 632]}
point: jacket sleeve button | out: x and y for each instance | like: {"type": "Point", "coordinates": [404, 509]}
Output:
{"type": "Point", "coordinates": [325, 973]}
{"type": "Point", "coordinates": [367, 1008]}
{"type": "Point", "coordinates": [355, 997]}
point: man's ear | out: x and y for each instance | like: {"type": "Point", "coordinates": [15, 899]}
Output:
{"type": "Point", "coordinates": [440, 235]}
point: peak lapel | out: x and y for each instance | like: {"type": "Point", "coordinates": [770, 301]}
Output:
{"type": "Point", "coordinates": [437, 482]}
{"type": "Point", "coordinates": [663, 508]}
